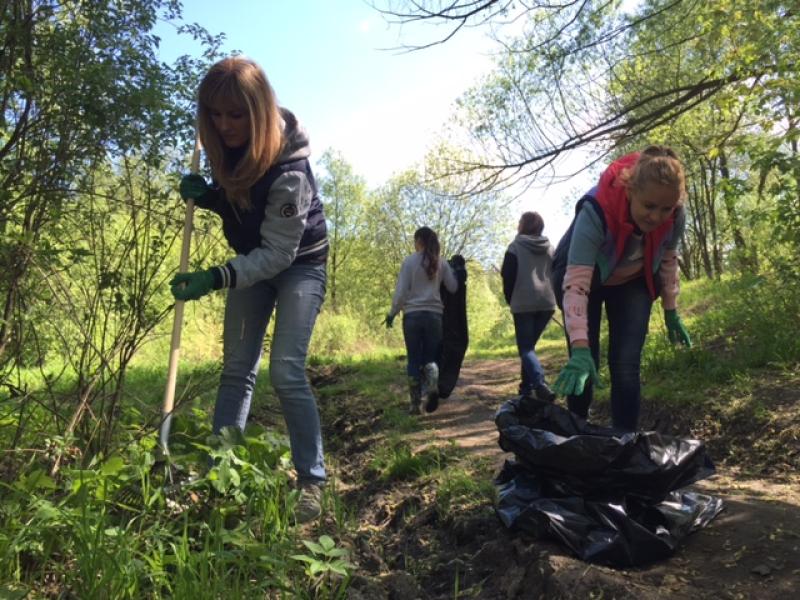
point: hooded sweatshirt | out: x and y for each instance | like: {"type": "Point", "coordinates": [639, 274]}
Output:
{"type": "Point", "coordinates": [526, 274]}
{"type": "Point", "coordinates": [415, 291]}
{"type": "Point", "coordinates": [285, 223]}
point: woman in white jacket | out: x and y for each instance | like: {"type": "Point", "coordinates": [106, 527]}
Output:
{"type": "Point", "coordinates": [417, 295]}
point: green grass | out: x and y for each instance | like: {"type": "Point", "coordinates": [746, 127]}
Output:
{"type": "Point", "coordinates": [462, 488]}
{"type": "Point", "coordinates": [396, 460]}
{"type": "Point", "coordinates": [230, 533]}
{"type": "Point", "coordinates": [738, 326]}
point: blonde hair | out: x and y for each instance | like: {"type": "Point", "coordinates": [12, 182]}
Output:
{"type": "Point", "coordinates": [659, 165]}
{"type": "Point", "coordinates": [239, 82]}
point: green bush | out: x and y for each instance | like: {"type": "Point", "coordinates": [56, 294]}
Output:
{"type": "Point", "coordinates": [344, 333]}
{"type": "Point", "coordinates": [122, 528]}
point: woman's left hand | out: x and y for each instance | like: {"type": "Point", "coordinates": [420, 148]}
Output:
{"type": "Point", "coordinates": [191, 286]}
{"type": "Point", "coordinates": [676, 331]}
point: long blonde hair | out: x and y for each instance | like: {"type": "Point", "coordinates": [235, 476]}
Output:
{"type": "Point", "coordinates": [240, 82]}
{"type": "Point", "coordinates": [656, 164]}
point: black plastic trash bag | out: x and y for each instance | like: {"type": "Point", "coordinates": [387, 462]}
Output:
{"type": "Point", "coordinates": [455, 334]}
{"type": "Point", "coordinates": [611, 497]}
{"type": "Point", "coordinates": [587, 459]}
{"type": "Point", "coordinates": [620, 533]}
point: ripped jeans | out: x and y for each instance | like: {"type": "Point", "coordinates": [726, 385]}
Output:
{"type": "Point", "coordinates": [296, 296]}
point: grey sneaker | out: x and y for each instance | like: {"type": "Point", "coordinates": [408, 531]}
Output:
{"type": "Point", "coordinates": [308, 507]}
{"type": "Point", "coordinates": [431, 374]}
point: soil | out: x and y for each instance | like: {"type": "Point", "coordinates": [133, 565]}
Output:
{"type": "Point", "coordinates": [405, 547]}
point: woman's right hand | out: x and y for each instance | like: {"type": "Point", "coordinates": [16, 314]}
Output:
{"type": "Point", "coordinates": [578, 369]}
{"type": "Point", "coordinates": [193, 186]}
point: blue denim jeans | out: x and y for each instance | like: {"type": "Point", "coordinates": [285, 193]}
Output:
{"type": "Point", "coordinates": [296, 295]}
{"type": "Point", "coordinates": [422, 332]}
{"type": "Point", "coordinates": [628, 312]}
{"type": "Point", "coordinates": [528, 326]}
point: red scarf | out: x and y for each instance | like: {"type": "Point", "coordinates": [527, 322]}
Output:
{"type": "Point", "coordinates": [612, 197]}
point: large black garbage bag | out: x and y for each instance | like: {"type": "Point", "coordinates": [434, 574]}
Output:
{"type": "Point", "coordinates": [455, 335]}
{"type": "Point", "coordinates": [586, 459]}
{"type": "Point", "coordinates": [611, 497]}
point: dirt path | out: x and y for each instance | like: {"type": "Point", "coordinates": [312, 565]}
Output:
{"type": "Point", "coordinates": [467, 416]}
{"type": "Point", "coordinates": [752, 550]}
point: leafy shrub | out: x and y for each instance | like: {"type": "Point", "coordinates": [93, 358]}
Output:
{"type": "Point", "coordinates": [122, 528]}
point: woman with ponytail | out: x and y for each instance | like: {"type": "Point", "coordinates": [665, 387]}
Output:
{"type": "Point", "coordinates": [417, 295]}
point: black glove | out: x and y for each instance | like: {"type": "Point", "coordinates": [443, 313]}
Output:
{"type": "Point", "coordinates": [193, 186]}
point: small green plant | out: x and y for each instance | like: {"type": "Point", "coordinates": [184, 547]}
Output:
{"type": "Point", "coordinates": [397, 419]}
{"type": "Point", "coordinates": [343, 515]}
{"type": "Point", "coordinates": [326, 567]}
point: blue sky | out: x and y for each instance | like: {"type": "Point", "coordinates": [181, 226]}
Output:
{"type": "Point", "coordinates": [328, 62]}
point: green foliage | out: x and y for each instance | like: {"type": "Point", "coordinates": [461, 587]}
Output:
{"type": "Point", "coordinates": [489, 319]}
{"type": "Point", "coordinates": [345, 199]}
{"type": "Point", "coordinates": [460, 489]}
{"type": "Point", "coordinates": [90, 128]}
{"type": "Point", "coordinates": [396, 418]}
{"type": "Point", "coordinates": [348, 333]}
{"type": "Point", "coordinates": [737, 325]}
{"type": "Point", "coordinates": [121, 528]}
{"type": "Point", "coordinates": [326, 566]}
{"type": "Point", "coordinates": [396, 460]}
{"type": "Point", "coordinates": [445, 198]}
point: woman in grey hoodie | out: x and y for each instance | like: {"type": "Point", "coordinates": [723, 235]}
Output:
{"type": "Point", "coordinates": [417, 295]}
{"type": "Point", "coordinates": [526, 286]}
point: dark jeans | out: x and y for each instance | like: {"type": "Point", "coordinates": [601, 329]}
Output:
{"type": "Point", "coordinates": [528, 326]}
{"type": "Point", "coordinates": [422, 331]}
{"type": "Point", "coordinates": [628, 312]}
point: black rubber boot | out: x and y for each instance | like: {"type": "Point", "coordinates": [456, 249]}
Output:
{"type": "Point", "coordinates": [415, 396]}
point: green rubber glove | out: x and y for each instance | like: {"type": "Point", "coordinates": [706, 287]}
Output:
{"type": "Point", "coordinates": [197, 285]}
{"type": "Point", "coordinates": [389, 320]}
{"type": "Point", "coordinates": [676, 331]}
{"type": "Point", "coordinates": [573, 376]}
{"type": "Point", "coordinates": [193, 186]}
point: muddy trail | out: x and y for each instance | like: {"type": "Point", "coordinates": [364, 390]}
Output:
{"type": "Point", "coordinates": [407, 544]}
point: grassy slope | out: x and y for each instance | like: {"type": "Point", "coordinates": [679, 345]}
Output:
{"type": "Point", "coordinates": [736, 389]}
{"type": "Point", "coordinates": [420, 512]}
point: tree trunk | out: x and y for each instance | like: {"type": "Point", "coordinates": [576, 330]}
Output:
{"type": "Point", "coordinates": [733, 215]}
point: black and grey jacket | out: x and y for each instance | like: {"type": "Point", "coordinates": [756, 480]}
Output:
{"type": "Point", "coordinates": [285, 224]}
{"type": "Point", "coordinates": [526, 272]}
